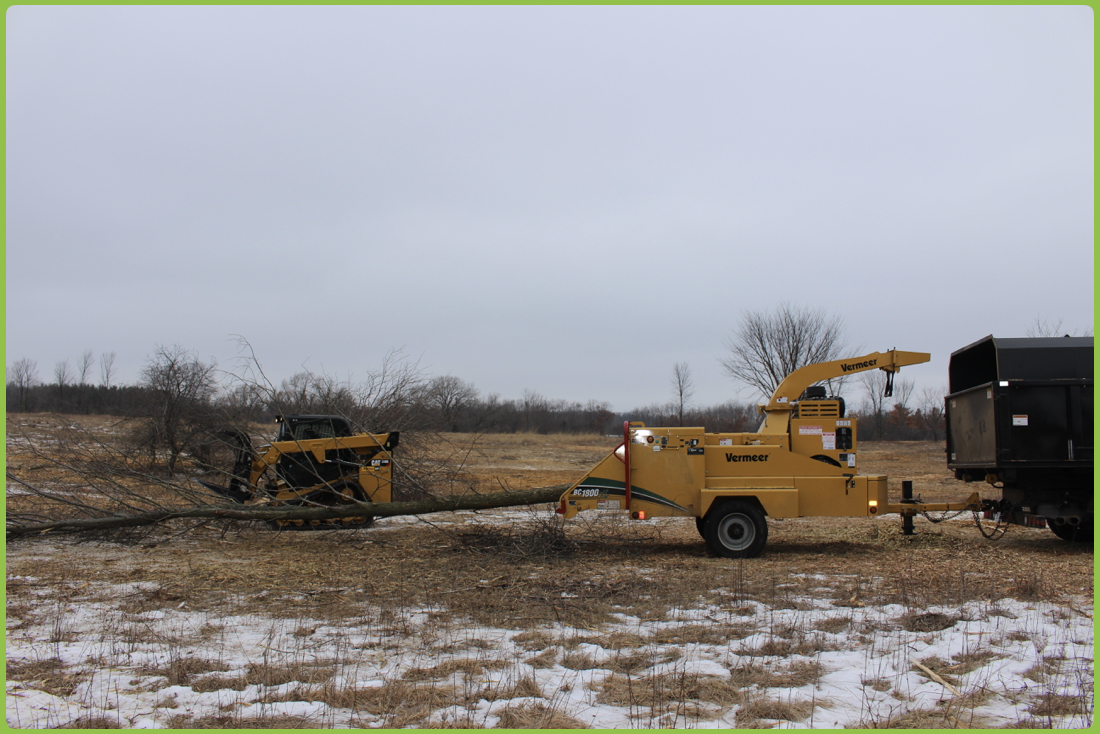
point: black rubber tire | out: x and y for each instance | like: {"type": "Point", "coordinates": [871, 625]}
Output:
{"type": "Point", "coordinates": [699, 524]}
{"type": "Point", "coordinates": [1073, 533]}
{"type": "Point", "coordinates": [735, 529]}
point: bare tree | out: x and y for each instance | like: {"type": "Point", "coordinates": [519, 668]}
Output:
{"type": "Point", "coordinates": [533, 407]}
{"type": "Point", "coordinates": [931, 411]}
{"type": "Point", "coordinates": [180, 388]}
{"type": "Point", "coordinates": [449, 396]}
{"type": "Point", "coordinates": [22, 376]}
{"type": "Point", "coordinates": [84, 366]}
{"type": "Point", "coordinates": [1043, 328]}
{"type": "Point", "coordinates": [683, 387]}
{"type": "Point", "coordinates": [874, 386]}
{"type": "Point", "coordinates": [63, 376]}
{"type": "Point", "coordinates": [106, 368]}
{"type": "Point", "coordinates": [768, 346]}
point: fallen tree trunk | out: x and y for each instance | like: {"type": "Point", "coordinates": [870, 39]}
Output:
{"type": "Point", "coordinates": [511, 498]}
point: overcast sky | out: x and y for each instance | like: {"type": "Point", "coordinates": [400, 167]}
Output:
{"type": "Point", "coordinates": [561, 199]}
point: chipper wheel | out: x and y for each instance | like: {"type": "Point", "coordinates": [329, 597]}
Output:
{"type": "Point", "coordinates": [735, 529]}
{"type": "Point", "coordinates": [343, 494]}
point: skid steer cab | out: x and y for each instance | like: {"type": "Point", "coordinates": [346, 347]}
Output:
{"type": "Point", "coordinates": [313, 461]}
{"type": "Point", "coordinates": [801, 462]}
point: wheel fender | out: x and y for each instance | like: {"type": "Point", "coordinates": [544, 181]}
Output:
{"type": "Point", "coordinates": [715, 501]}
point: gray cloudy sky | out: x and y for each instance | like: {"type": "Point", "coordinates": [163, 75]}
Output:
{"type": "Point", "coordinates": [562, 199]}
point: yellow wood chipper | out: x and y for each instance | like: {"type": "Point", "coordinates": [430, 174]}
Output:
{"type": "Point", "coordinates": [801, 462]}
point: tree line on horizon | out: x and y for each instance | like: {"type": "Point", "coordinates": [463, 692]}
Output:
{"type": "Point", "coordinates": [399, 397]}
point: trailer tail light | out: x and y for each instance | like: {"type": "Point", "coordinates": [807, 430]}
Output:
{"type": "Point", "coordinates": [639, 515]}
{"type": "Point", "coordinates": [872, 507]}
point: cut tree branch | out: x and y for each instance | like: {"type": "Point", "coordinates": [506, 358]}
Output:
{"type": "Point", "coordinates": [510, 498]}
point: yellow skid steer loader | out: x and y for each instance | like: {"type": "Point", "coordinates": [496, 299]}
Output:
{"type": "Point", "coordinates": [314, 461]}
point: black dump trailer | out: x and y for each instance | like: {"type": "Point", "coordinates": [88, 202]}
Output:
{"type": "Point", "coordinates": [1019, 417]}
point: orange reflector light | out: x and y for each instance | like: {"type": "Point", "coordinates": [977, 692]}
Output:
{"type": "Point", "coordinates": [640, 515]}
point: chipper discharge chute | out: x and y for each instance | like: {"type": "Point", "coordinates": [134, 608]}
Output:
{"type": "Point", "coordinates": [800, 462]}
{"type": "Point", "coordinates": [314, 461]}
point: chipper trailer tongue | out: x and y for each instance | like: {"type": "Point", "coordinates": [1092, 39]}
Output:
{"type": "Point", "coordinates": [801, 462]}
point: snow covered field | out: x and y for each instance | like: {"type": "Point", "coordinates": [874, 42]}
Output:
{"type": "Point", "coordinates": [86, 655]}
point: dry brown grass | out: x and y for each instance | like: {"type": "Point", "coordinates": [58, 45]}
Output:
{"type": "Point", "coordinates": [536, 716]}
{"type": "Point", "coordinates": [535, 574]}
{"type": "Point", "coordinates": [50, 676]}
{"type": "Point", "coordinates": [658, 694]}
{"type": "Point", "coordinates": [756, 711]}
{"type": "Point", "coordinates": [230, 721]}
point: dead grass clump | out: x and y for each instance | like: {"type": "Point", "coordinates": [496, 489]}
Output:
{"type": "Point", "coordinates": [924, 719]}
{"type": "Point", "coordinates": [92, 722]}
{"type": "Point", "coordinates": [536, 716]}
{"type": "Point", "coordinates": [757, 710]}
{"type": "Point", "coordinates": [701, 634]}
{"type": "Point", "coordinates": [797, 674]}
{"type": "Point", "coordinates": [833, 625]}
{"type": "Point", "coordinates": [927, 622]}
{"type": "Point", "coordinates": [536, 538]}
{"type": "Point", "coordinates": [1041, 670]}
{"type": "Point", "coordinates": [532, 640]}
{"type": "Point", "coordinates": [1055, 704]}
{"type": "Point", "coordinates": [399, 703]}
{"type": "Point", "coordinates": [545, 659]}
{"type": "Point", "coordinates": [579, 661]}
{"type": "Point", "coordinates": [882, 685]}
{"type": "Point", "coordinates": [49, 675]}
{"type": "Point", "coordinates": [659, 691]}
{"type": "Point", "coordinates": [807, 645]}
{"type": "Point", "coordinates": [213, 683]}
{"type": "Point", "coordinates": [968, 662]}
{"type": "Point", "coordinates": [180, 670]}
{"type": "Point", "coordinates": [631, 663]}
{"type": "Point", "coordinates": [277, 675]}
{"type": "Point", "coordinates": [448, 668]}
{"type": "Point", "coordinates": [184, 721]}
{"type": "Point", "coordinates": [525, 687]}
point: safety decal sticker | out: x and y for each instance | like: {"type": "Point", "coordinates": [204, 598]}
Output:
{"type": "Point", "coordinates": [809, 430]}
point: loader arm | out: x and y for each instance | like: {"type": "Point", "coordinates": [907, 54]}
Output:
{"type": "Point", "coordinates": [777, 411]}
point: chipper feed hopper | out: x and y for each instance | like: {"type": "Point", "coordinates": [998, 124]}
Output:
{"type": "Point", "coordinates": [801, 462]}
